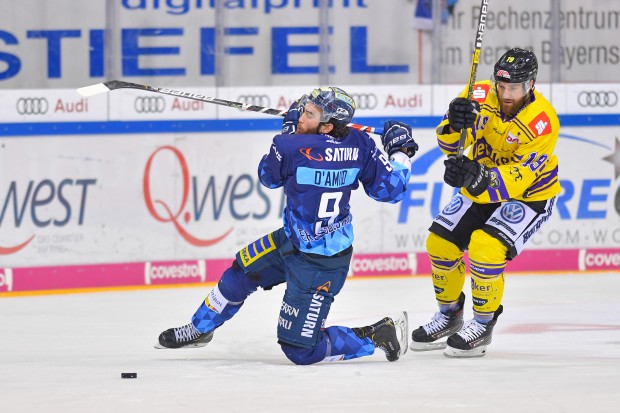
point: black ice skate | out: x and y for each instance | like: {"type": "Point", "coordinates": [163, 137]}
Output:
{"type": "Point", "coordinates": [185, 336]}
{"type": "Point", "coordinates": [472, 340]}
{"type": "Point", "coordinates": [442, 325]}
{"type": "Point", "coordinates": [390, 335]}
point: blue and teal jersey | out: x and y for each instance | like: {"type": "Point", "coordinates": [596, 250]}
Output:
{"type": "Point", "coordinates": [318, 174]}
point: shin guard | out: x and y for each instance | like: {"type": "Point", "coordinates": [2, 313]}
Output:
{"type": "Point", "coordinates": [448, 269]}
{"type": "Point", "coordinates": [224, 300]}
{"type": "Point", "coordinates": [487, 263]}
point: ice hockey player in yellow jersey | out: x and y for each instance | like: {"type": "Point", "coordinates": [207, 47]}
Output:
{"type": "Point", "coordinates": [509, 183]}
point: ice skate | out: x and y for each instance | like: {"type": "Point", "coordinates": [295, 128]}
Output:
{"type": "Point", "coordinates": [390, 335]}
{"type": "Point", "coordinates": [185, 336]}
{"type": "Point", "coordinates": [472, 340]}
{"type": "Point", "coordinates": [425, 337]}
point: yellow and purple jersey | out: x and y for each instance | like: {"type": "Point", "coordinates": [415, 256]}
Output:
{"type": "Point", "coordinates": [518, 150]}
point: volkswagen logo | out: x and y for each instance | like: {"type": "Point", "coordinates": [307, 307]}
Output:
{"type": "Point", "coordinates": [454, 206]}
{"type": "Point", "coordinates": [149, 104]}
{"type": "Point", "coordinates": [255, 100]}
{"type": "Point", "coordinates": [365, 100]}
{"type": "Point", "coordinates": [597, 99]}
{"type": "Point", "coordinates": [513, 212]}
{"type": "Point", "coordinates": [32, 106]}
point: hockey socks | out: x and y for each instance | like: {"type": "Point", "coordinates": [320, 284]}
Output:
{"type": "Point", "coordinates": [336, 343]}
{"type": "Point", "coordinates": [214, 311]}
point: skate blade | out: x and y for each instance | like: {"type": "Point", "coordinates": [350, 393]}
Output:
{"type": "Point", "coordinates": [196, 345]}
{"type": "Point", "coordinates": [417, 346]}
{"type": "Point", "coordinates": [452, 352]}
{"type": "Point", "coordinates": [402, 329]}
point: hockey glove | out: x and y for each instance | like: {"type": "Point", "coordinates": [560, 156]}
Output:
{"type": "Point", "coordinates": [396, 136]}
{"type": "Point", "coordinates": [462, 113]}
{"type": "Point", "coordinates": [289, 124]}
{"type": "Point", "coordinates": [466, 173]}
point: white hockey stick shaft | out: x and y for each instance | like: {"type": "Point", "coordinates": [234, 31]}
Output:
{"type": "Point", "coordinates": [119, 84]}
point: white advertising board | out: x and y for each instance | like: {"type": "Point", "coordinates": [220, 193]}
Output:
{"type": "Point", "coordinates": [125, 198]}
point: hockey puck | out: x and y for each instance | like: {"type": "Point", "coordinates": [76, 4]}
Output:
{"type": "Point", "coordinates": [129, 375]}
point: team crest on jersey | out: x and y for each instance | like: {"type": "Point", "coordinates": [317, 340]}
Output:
{"type": "Point", "coordinates": [493, 180]}
{"type": "Point", "coordinates": [313, 156]}
{"type": "Point", "coordinates": [516, 174]}
{"type": "Point", "coordinates": [541, 125]}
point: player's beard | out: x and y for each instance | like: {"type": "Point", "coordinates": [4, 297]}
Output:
{"type": "Point", "coordinates": [510, 107]}
{"type": "Point", "coordinates": [304, 130]}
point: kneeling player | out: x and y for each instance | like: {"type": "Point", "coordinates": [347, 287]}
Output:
{"type": "Point", "coordinates": [311, 253]}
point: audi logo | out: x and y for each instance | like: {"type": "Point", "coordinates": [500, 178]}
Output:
{"type": "Point", "coordinates": [32, 106]}
{"type": "Point", "coordinates": [149, 104]}
{"type": "Point", "coordinates": [597, 99]}
{"type": "Point", "coordinates": [255, 100]}
{"type": "Point", "coordinates": [365, 100]}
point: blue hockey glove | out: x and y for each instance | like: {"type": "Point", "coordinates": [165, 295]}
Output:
{"type": "Point", "coordinates": [289, 124]}
{"type": "Point", "coordinates": [466, 173]}
{"type": "Point", "coordinates": [462, 113]}
{"type": "Point", "coordinates": [397, 135]}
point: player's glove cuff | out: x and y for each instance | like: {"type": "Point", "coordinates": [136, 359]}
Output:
{"type": "Point", "coordinates": [401, 158]}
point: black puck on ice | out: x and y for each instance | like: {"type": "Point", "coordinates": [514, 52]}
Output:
{"type": "Point", "coordinates": [129, 375]}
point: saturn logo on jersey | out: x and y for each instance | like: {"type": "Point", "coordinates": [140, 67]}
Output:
{"type": "Point", "coordinates": [307, 152]}
{"type": "Point", "coordinates": [325, 287]}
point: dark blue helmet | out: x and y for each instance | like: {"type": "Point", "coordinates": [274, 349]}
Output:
{"type": "Point", "coordinates": [334, 103]}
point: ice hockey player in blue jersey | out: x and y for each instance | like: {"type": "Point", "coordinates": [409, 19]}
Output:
{"type": "Point", "coordinates": [319, 161]}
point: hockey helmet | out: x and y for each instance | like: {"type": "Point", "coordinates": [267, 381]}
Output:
{"type": "Point", "coordinates": [334, 103]}
{"type": "Point", "coordinates": [516, 66]}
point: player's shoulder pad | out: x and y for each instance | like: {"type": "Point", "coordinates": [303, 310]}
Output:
{"type": "Point", "coordinates": [357, 134]}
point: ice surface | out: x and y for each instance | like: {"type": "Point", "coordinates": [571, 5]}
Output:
{"type": "Point", "coordinates": [556, 348]}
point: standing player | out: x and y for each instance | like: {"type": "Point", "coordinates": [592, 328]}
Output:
{"type": "Point", "coordinates": [318, 161]}
{"type": "Point", "coordinates": [508, 183]}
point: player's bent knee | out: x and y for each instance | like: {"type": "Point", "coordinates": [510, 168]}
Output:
{"type": "Point", "coordinates": [302, 356]}
{"type": "Point", "coordinates": [235, 285]}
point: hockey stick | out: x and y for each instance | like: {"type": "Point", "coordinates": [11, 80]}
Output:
{"type": "Point", "coordinates": [119, 84]}
{"type": "Point", "coordinates": [482, 18]}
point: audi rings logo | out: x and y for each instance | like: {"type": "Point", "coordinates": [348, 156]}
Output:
{"type": "Point", "coordinates": [365, 100]}
{"type": "Point", "coordinates": [597, 99]}
{"type": "Point", "coordinates": [149, 104]}
{"type": "Point", "coordinates": [32, 106]}
{"type": "Point", "coordinates": [255, 100]}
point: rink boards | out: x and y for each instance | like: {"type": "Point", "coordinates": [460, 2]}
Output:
{"type": "Point", "coordinates": [135, 189]}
